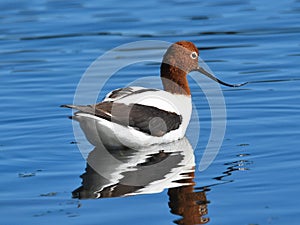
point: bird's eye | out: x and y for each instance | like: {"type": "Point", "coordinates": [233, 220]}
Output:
{"type": "Point", "coordinates": [194, 55]}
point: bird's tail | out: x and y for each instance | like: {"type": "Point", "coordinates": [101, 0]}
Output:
{"type": "Point", "coordinates": [86, 108]}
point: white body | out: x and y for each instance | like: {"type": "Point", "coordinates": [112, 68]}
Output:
{"type": "Point", "coordinates": [114, 135]}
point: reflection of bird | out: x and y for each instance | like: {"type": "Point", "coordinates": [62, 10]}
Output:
{"type": "Point", "coordinates": [191, 205]}
{"type": "Point", "coordinates": [115, 173]}
{"type": "Point", "coordinates": [127, 172]}
{"type": "Point", "coordinates": [144, 116]}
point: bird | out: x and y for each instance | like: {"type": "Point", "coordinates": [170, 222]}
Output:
{"type": "Point", "coordinates": [134, 117]}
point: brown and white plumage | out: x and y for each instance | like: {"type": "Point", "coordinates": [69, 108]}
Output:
{"type": "Point", "coordinates": [137, 116]}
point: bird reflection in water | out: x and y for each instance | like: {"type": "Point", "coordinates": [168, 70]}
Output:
{"type": "Point", "coordinates": [190, 204]}
{"type": "Point", "coordinates": [126, 172]}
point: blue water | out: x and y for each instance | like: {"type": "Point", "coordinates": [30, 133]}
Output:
{"type": "Point", "coordinates": [46, 46]}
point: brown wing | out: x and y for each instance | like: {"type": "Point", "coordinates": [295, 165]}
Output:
{"type": "Point", "coordinates": [147, 119]}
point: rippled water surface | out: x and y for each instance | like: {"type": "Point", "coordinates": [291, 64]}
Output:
{"type": "Point", "coordinates": [46, 46]}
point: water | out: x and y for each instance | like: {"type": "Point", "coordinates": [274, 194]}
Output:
{"type": "Point", "coordinates": [47, 45]}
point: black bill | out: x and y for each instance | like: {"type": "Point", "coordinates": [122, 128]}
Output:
{"type": "Point", "coordinates": [203, 71]}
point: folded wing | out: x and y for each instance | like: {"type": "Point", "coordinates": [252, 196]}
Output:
{"type": "Point", "coordinates": [147, 119]}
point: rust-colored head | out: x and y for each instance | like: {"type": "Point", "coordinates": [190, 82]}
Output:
{"type": "Point", "coordinates": [182, 55]}
{"type": "Point", "coordinates": [180, 59]}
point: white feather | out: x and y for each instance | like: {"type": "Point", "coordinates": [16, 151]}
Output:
{"type": "Point", "coordinates": [114, 135]}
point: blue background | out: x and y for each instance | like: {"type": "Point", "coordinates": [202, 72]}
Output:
{"type": "Point", "coordinates": [47, 45]}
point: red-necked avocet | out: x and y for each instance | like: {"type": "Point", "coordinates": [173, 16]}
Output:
{"type": "Point", "coordinates": [138, 116]}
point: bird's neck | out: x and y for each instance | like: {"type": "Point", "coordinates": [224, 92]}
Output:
{"type": "Point", "coordinates": [174, 80]}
